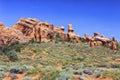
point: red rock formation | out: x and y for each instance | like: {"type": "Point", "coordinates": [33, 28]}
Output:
{"type": "Point", "coordinates": [27, 29]}
{"type": "Point", "coordinates": [26, 25]}
{"type": "Point", "coordinates": [72, 37]}
{"type": "Point", "coordinates": [97, 40]}
{"type": "Point", "coordinates": [60, 31]}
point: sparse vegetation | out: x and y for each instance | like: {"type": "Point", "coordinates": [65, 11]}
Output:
{"type": "Point", "coordinates": [59, 61]}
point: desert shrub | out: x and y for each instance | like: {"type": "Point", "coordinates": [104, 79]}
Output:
{"type": "Point", "coordinates": [65, 76]}
{"type": "Point", "coordinates": [2, 74]}
{"type": "Point", "coordinates": [12, 56]}
{"type": "Point", "coordinates": [80, 72]}
{"type": "Point", "coordinates": [81, 66]}
{"type": "Point", "coordinates": [35, 51]}
{"type": "Point", "coordinates": [83, 40]}
{"type": "Point", "coordinates": [78, 59]}
{"type": "Point", "coordinates": [104, 65]}
{"type": "Point", "coordinates": [115, 65]}
{"type": "Point", "coordinates": [81, 77]}
{"type": "Point", "coordinates": [69, 70]}
{"type": "Point", "coordinates": [77, 72]}
{"type": "Point", "coordinates": [5, 49]}
{"type": "Point", "coordinates": [113, 74]}
{"type": "Point", "coordinates": [32, 41]}
{"type": "Point", "coordinates": [58, 39]}
{"type": "Point", "coordinates": [9, 51]}
{"type": "Point", "coordinates": [98, 74]}
{"type": "Point", "coordinates": [118, 46]}
{"type": "Point", "coordinates": [16, 69]}
{"type": "Point", "coordinates": [27, 78]}
{"type": "Point", "coordinates": [13, 76]}
{"type": "Point", "coordinates": [49, 73]}
{"type": "Point", "coordinates": [1, 52]}
{"type": "Point", "coordinates": [52, 75]}
{"type": "Point", "coordinates": [30, 69]}
{"type": "Point", "coordinates": [88, 71]}
{"type": "Point", "coordinates": [3, 68]}
{"type": "Point", "coordinates": [17, 47]}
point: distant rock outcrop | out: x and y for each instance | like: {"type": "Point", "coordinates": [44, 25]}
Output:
{"type": "Point", "coordinates": [27, 29]}
{"type": "Point", "coordinates": [98, 40]}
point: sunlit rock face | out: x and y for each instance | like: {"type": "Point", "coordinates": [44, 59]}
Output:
{"type": "Point", "coordinates": [27, 29]}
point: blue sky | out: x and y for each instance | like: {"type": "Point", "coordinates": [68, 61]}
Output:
{"type": "Point", "coordinates": [86, 16]}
